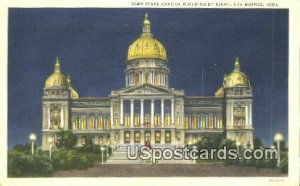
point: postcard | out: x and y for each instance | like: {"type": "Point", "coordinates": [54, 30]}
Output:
{"type": "Point", "coordinates": [193, 92]}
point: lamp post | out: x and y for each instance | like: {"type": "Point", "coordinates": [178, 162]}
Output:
{"type": "Point", "coordinates": [112, 150]}
{"type": "Point", "coordinates": [32, 138]}
{"type": "Point", "coordinates": [278, 137]}
{"type": "Point", "coordinates": [102, 149]}
{"type": "Point", "coordinates": [106, 149]}
{"type": "Point", "coordinates": [50, 140]}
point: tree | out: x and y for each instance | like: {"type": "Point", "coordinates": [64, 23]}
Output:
{"type": "Point", "coordinates": [88, 142]}
{"type": "Point", "coordinates": [66, 139]}
{"type": "Point", "coordinates": [257, 143]}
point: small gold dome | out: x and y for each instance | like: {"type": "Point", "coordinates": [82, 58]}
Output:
{"type": "Point", "coordinates": [146, 46]}
{"type": "Point", "coordinates": [57, 79]}
{"type": "Point", "coordinates": [73, 92]}
{"type": "Point", "coordinates": [220, 92]}
{"type": "Point", "coordinates": [236, 77]}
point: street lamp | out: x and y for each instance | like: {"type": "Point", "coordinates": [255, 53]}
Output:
{"type": "Point", "coordinates": [32, 138]}
{"type": "Point", "coordinates": [107, 149]}
{"type": "Point", "coordinates": [50, 140]}
{"type": "Point", "coordinates": [112, 150]}
{"type": "Point", "coordinates": [278, 137]}
{"type": "Point", "coordinates": [102, 149]}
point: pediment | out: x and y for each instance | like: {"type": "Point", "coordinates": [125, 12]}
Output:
{"type": "Point", "coordinates": [146, 89]}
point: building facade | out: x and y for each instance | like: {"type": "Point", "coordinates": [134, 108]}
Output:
{"type": "Point", "coordinates": [147, 111]}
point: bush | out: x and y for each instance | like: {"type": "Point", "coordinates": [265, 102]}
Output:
{"type": "Point", "coordinates": [71, 159]}
{"type": "Point", "coordinates": [26, 165]}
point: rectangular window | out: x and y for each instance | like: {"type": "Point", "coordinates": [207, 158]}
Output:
{"type": "Point", "coordinates": [137, 137]}
{"type": "Point", "coordinates": [127, 137]}
{"type": "Point", "coordinates": [239, 117]}
{"type": "Point", "coordinates": [157, 137]}
{"type": "Point", "coordinates": [168, 137]}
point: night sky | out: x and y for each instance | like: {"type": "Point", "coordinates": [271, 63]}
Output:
{"type": "Point", "coordinates": [92, 46]}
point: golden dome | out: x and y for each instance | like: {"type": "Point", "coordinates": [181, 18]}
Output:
{"type": "Point", "coordinates": [146, 46]}
{"type": "Point", "coordinates": [236, 77]}
{"type": "Point", "coordinates": [73, 92]}
{"type": "Point", "coordinates": [57, 79]}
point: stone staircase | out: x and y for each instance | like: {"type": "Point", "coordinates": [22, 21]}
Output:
{"type": "Point", "coordinates": [120, 157]}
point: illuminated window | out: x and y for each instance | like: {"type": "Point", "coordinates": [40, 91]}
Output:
{"type": "Point", "coordinates": [147, 137]}
{"type": "Point", "coordinates": [137, 120]}
{"type": "Point", "coordinates": [92, 122]}
{"type": "Point", "coordinates": [167, 119]}
{"type": "Point", "coordinates": [100, 122]}
{"type": "Point", "coordinates": [127, 120]}
{"type": "Point", "coordinates": [177, 120]}
{"type": "Point", "coordinates": [186, 122]}
{"type": "Point", "coordinates": [75, 122]}
{"type": "Point", "coordinates": [55, 118]}
{"type": "Point", "coordinates": [137, 137]}
{"type": "Point", "coordinates": [147, 121]}
{"type": "Point", "coordinates": [168, 137]}
{"type": "Point", "coordinates": [83, 122]}
{"type": "Point", "coordinates": [127, 137]}
{"type": "Point", "coordinates": [239, 116]}
{"type": "Point", "coordinates": [194, 121]}
{"type": "Point", "coordinates": [157, 120]}
{"type": "Point", "coordinates": [116, 120]}
{"type": "Point", "coordinates": [157, 137]}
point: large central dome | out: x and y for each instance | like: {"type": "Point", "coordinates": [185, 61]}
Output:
{"type": "Point", "coordinates": [146, 47]}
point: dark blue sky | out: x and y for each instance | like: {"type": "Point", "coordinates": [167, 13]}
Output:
{"type": "Point", "coordinates": [92, 45]}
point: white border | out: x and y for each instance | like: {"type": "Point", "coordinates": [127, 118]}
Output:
{"type": "Point", "coordinates": [294, 102]}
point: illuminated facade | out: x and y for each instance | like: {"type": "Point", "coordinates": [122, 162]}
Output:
{"type": "Point", "coordinates": [147, 111]}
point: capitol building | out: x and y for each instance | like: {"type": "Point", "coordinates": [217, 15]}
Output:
{"type": "Point", "coordinates": [147, 111]}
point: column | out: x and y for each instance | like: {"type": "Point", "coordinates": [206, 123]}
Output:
{"type": "Point", "coordinates": [162, 137]}
{"type": "Point", "coordinates": [152, 113]}
{"type": "Point", "coordinates": [152, 137]}
{"type": "Point", "coordinates": [131, 112]}
{"type": "Point", "coordinates": [121, 137]}
{"type": "Point", "coordinates": [182, 114]}
{"type": "Point", "coordinates": [173, 137]}
{"type": "Point", "coordinates": [246, 116]}
{"type": "Point", "coordinates": [62, 117]}
{"type": "Point", "coordinates": [142, 137]}
{"type": "Point", "coordinates": [48, 117]}
{"type": "Point", "coordinates": [172, 111]}
{"type": "Point", "coordinates": [142, 113]}
{"type": "Point", "coordinates": [131, 137]}
{"type": "Point", "coordinates": [162, 109]}
{"type": "Point", "coordinates": [250, 114]}
{"type": "Point", "coordinates": [121, 112]}
{"type": "Point", "coordinates": [111, 114]}
{"type": "Point", "coordinates": [126, 81]}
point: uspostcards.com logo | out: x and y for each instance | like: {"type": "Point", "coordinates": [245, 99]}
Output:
{"type": "Point", "coordinates": [155, 154]}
